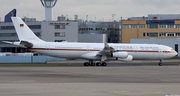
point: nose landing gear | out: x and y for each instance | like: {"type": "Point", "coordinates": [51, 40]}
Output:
{"type": "Point", "coordinates": [160, 63]}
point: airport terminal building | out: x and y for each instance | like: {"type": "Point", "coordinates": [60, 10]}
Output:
{"type": "Point", "coordinates": [153, 26]}
{"type": "Point", "coordinates": [93, 31]}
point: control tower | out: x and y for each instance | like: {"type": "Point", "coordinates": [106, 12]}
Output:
{"type": "Point", "coordinates": [48, 4]}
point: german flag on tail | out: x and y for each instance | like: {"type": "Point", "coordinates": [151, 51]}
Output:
{"type": "Point", "coordinates": [21, 25]}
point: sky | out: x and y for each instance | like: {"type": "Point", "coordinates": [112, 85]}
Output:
{"type": "Point", "coordinates": [99, 10]}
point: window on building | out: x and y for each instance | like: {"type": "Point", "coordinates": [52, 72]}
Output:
{"type": "Point", "coordinates": [7, 27]}
{"type": "Point", "coordinates": [147, 26]}
{"type": "Point", "coordinates": [152, 34]}
{"type": "Point", "coordinates": [56, 26]}
{"type": "Point", "coordinates": [8, 34]}
{"type": "Point", "coordinates": [144, 34]}
{"type": "Point", "coordinates": [61, 26]}
{"type": "Point", "coordinates": [90, 28]}
{"type": "Point", "coordinates": [155, 26]}
{"type": "Point", "coordinates": [134, 26]}
{"type": "Point", "coordinates": [170, 26]}
{"type": "Point", "coordinates": [177, 26]}
{"type": "Point", "coordinates": [171, 34]}
{"type": "Point", "coordinates": [13, 34]}
{"type": "Point", "coordinates": [162, 34]}
{"type": "Point", "coordinates": [59, 34]}
{"type": "Point", "coordinates": [162, 26]}
{"type": "Point", "coordinates": [141, 26]}
{"type": "Point", "coordinates": [178, 34]}
{"type": "Point", "coordinates": [126, 26]}
{"type": "Point", "coordinates": [147, 34]}
{"type": "Point", "coordinates": [34, 26]}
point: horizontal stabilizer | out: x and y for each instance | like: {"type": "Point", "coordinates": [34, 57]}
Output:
{"type": "Point", "coordinates": [26, 44]}
{"type": "Point", "coordinates": [7, 42]}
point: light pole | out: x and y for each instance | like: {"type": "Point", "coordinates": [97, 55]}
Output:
{"type": "Point", "coordinates": [121, 31]}
{"type": "Point", "coordinates": [113, 17]}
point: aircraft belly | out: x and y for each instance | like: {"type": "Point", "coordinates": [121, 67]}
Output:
{"type": "Point", "coordinates": [145, 55]}
{"type": "Point", "coordinates": [61, 54]}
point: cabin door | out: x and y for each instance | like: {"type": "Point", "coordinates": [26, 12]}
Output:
{"type": "Point", "coordinates": [135, 53]}
{"type": "Point", "coordinates": [161, 53]}
{"type": "Point", "coordinates": [135, 49]}
{"type": "Point", "coordinates": [47, 46]}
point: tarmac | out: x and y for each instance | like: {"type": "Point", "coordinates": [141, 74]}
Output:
{"type": "Point", "coordinates": [90, 81]}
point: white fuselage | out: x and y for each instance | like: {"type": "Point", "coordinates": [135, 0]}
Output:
{"type": "Point", "coordinates": [89, 51]}
{"type": "Point", "coordinates": [76, 50]}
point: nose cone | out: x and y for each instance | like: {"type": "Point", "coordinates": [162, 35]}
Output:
{"type": "Point", "coordinates": [172, 54]}
{"type": "Point", "coordinates": [175, 53]}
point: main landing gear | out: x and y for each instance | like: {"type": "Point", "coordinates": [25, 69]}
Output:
{"type": "Point", "coordinates": [160, 63]}
{"type": "Point", "coordinates": [91, 63]}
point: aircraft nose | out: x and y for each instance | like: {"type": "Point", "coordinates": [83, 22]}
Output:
{"type": "Point", "coordinates": [176, 53]}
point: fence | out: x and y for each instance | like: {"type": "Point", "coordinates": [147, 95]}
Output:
{"type": "Point", "coordinates": [27, 59]}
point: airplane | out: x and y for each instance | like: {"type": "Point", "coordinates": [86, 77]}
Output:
{"type": "Point", "coordinates": [99, 52]}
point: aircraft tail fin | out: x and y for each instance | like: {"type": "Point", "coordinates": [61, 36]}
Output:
{"type": "Point", "coordinates": [23, 31]}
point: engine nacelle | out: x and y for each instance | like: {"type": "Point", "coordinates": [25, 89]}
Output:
{"type": "Point", "coordinates": [120, 54]}
{"type": "Point", "coordinates": [128, 59]}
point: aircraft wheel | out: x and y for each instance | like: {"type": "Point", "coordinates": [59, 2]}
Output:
{"type": "Point", "coordinates": [160, 64]}
{"type": "Point", "coordinates": [104, 64]}
{"type": "Point", "coordinates": [98, 64]}
{"type": "Point", "coordinates": [92, 64]}
{"type": "Point", "coordinates": [86, 64]}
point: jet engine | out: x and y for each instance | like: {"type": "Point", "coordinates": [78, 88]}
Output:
{"type": "Point", "coordinates": [120, 54]}
{"type": "Point", "coordinates": [128, 59]}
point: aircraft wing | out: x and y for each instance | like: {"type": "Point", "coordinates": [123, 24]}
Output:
{"type": "Point", "coordinates": [107, 50]}
{"type": "Point", "coordinates": [102, 54]}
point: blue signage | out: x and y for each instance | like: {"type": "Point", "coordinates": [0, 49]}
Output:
{"type": "Point", "coordinates": [168, 22]}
